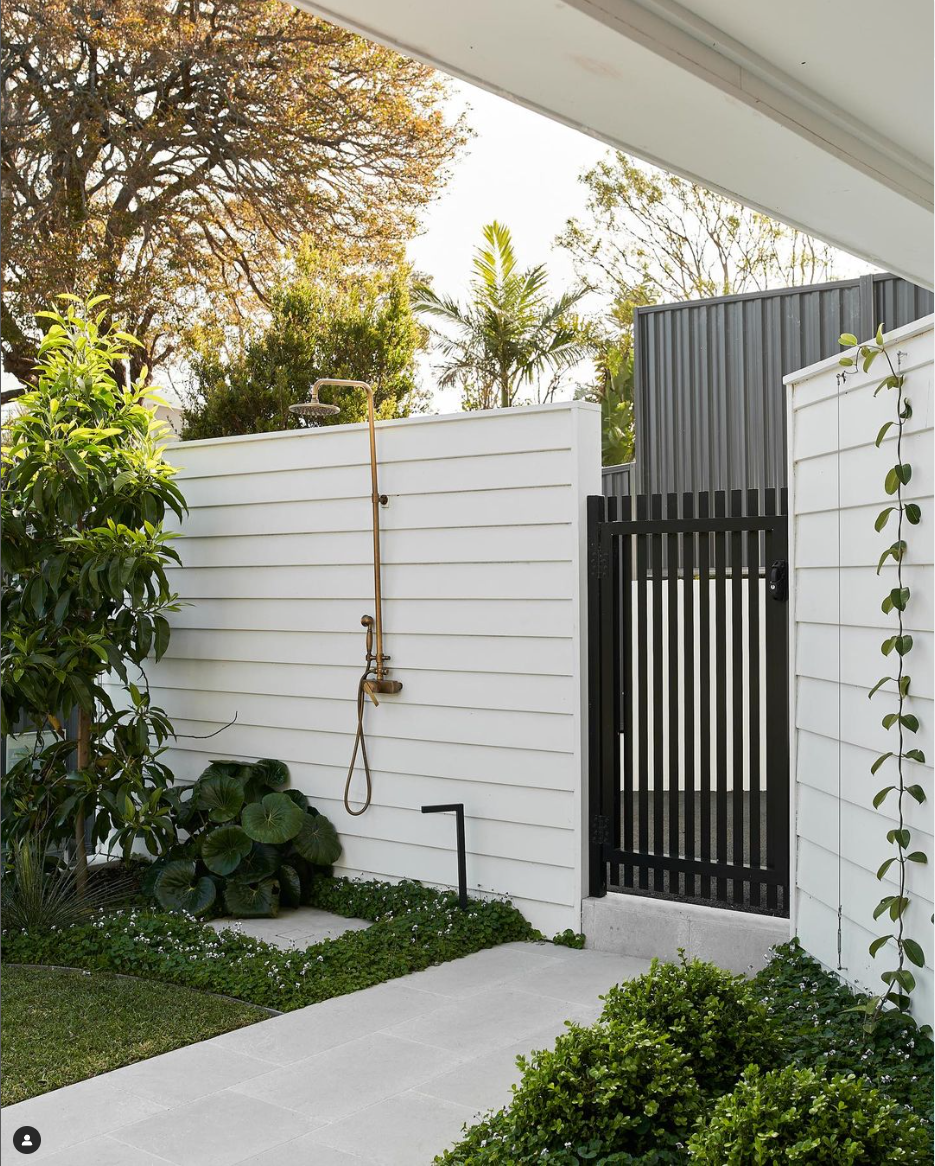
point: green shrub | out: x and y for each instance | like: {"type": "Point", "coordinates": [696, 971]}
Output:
{"type": "Point", "coordinates": [822, 1031]}
{"type": "Point", "coordinates": [426, 927]}
{"type": "Point", "coordinates": [604, 1093]}
{"type": "Point", "coordinates": [798, 1116]}
{"type": "Point", "coordinates": [711, 1015]}
{"type": "Point", "coordinates": [252, 844]}
{"type": "Point", "coordinates": [569, 938]}
{"type": "Point", "coordinates": [84, 592]}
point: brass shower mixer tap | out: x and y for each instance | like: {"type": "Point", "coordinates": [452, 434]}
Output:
{"type": "Point", "coordinates": [374, 684]}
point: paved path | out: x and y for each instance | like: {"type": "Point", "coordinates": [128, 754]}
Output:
{"type": "Point", "coordinates": [384, 1077]}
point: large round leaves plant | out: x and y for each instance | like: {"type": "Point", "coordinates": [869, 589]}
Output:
{"type": "Point", "coordinates": [275, 819]}
{"type": "Point", "coordinates": [251, 848]}
{"type": "Point", "coordinates": [223, 848]}
{"type": "Point", "coordinates": [181, 888]}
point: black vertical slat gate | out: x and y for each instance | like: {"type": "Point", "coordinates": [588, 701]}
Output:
{"type": "Point", "coordinates": [688, 675]}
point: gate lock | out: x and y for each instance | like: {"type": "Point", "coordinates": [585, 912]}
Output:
{"type": "Point", "coordinates": [779, 580]}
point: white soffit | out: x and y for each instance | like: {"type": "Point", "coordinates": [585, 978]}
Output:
{"type": "Point", "coordinates": [818, 112]}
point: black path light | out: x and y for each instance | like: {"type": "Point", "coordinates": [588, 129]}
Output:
{"type": "Point", "coordinates": [456, 808]}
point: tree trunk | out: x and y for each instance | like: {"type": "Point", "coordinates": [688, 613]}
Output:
{"type": "Point", "coordinates": [504, 393]}
{"type": "Point", "coordinates": [19, 355]}
{"type": "Point", "coordinates": [83, 760]}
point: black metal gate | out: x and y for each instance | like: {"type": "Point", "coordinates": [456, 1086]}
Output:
{"type": "Point", "coordinates": [688, 675]}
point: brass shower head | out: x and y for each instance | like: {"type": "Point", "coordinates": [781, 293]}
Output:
{"type": "Point", "coordinates": [314, 407]}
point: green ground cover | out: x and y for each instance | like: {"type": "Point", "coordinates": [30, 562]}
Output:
{"type": "Point", "coordinates": [412, 928]}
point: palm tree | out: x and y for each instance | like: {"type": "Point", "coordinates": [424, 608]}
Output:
{"type": "Point", "coordinates": [509, 334]}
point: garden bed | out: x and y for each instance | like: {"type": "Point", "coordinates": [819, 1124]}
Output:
{"type": "Point", "coordinates": [61, 1026]}
{"type": "Point", "coordinates": [691, 1064]}
{"type": "Point", "coordinates": [412, 928]}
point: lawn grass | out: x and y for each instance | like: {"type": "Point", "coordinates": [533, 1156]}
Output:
{"type": "Point", "coordinates": [59, 1027]}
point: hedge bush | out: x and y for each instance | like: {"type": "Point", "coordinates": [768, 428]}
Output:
{"type": "Point", "coordinates": [798, 1116]}
{"type": "Point", "coordinates": [414, 927]}
{"type": "Point", "coordinates": [603, 1093]}
{"type": "Point", "coordinates": [714, 1017]}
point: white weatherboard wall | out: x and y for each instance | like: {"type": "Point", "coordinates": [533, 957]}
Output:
{"type": "Point", "coordinates": [837, 626]}
{"type": "Point", "coordinates": [483, 575]}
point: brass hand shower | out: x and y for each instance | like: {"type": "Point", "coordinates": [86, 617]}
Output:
{"type": "Point", "coordinates": [373, 680]}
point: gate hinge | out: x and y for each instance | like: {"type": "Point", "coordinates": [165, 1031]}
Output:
{"type": "Point", "coordinates": [600, 829]}
{"type": "Point", "coordinates": [598, 562]}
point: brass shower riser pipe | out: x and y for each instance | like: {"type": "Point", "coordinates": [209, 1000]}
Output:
{"type": "Point", "coordinates": [377, 500]}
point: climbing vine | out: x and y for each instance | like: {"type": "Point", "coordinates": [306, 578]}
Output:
{"type": "Point", "coordinates": [899, 979]}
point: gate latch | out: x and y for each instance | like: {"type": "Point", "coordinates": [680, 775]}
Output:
{"type": "Point", "coordinates": [779, 580]}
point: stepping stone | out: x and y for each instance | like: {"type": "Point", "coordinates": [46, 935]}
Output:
{"type": "Point", "coordinates": [293, 929]}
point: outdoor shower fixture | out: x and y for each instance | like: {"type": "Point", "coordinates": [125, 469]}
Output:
{"type": "Point", "coordinates": [373, 680]}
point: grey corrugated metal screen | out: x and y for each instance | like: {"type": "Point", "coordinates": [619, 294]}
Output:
{"type": "Point", "coordinates": [709, 402]}
{"type": "Point", "coordinates": [617, 481]}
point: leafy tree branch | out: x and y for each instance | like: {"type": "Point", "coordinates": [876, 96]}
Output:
{"type": "Point", "coordinates": [168, 153]}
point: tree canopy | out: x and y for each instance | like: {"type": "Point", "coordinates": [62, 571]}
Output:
{"type": "Point", "coordinates": [168, 152]}
{"type": "Point", "coordinates": [649, 236]}
{"type": "Point", "coordinates": [327, 320]}
{"type": "Point", "coordinates": [510, 335]}
{"type": "Point", "coordinates": [85, 590]}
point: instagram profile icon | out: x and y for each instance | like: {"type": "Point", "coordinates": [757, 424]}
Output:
{"type": "Point", "coordinates": [27, 1140]}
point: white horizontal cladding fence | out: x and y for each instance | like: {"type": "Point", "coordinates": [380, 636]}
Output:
{"type": "Point", "coordinates": [836, 493]}
{"type": "Point", "coordinates": [483, 560]}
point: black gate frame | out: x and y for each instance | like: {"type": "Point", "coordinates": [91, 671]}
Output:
{"type": "Point", "coordinates": [610, 641]}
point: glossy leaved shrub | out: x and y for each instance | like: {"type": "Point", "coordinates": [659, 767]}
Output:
{"type": "Point", "coordinates": [602, 1094]}
{"type": "Point", "coordinates": [800, 1117]}
{"type": "Point", "coordinates": [713, 1016]}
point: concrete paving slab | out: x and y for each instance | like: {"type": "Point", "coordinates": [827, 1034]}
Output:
{"type": "Point", "coordinates": [216, 1130]}
{"type": "Point", "coordinates": [105, 1151]}
{"type": "Point", "coordinates": [74, 1114]}
{"type": "Point", "coordinates": [305, 1152]}
{"type": "Point", "coordinates": [307, 1031]}
{"type": "Point", "coordinates": [487, 1020]}
{"type": "Point", "coordinates": [406, 1130]}
{"type": "Point", "coordinates": [583, 982]}
{"type": "Point", "coordinates": [351, 1077]}
{"type": "Point", "coordinates": [487, 968]}
{"type": "Point", "coordinates": [186, 1074]}
{"type": "Point", "coordinates": [485, 1082]}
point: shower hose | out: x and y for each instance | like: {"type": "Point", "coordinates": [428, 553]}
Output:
{"type": "Point", "coordinates": [360, 745]}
